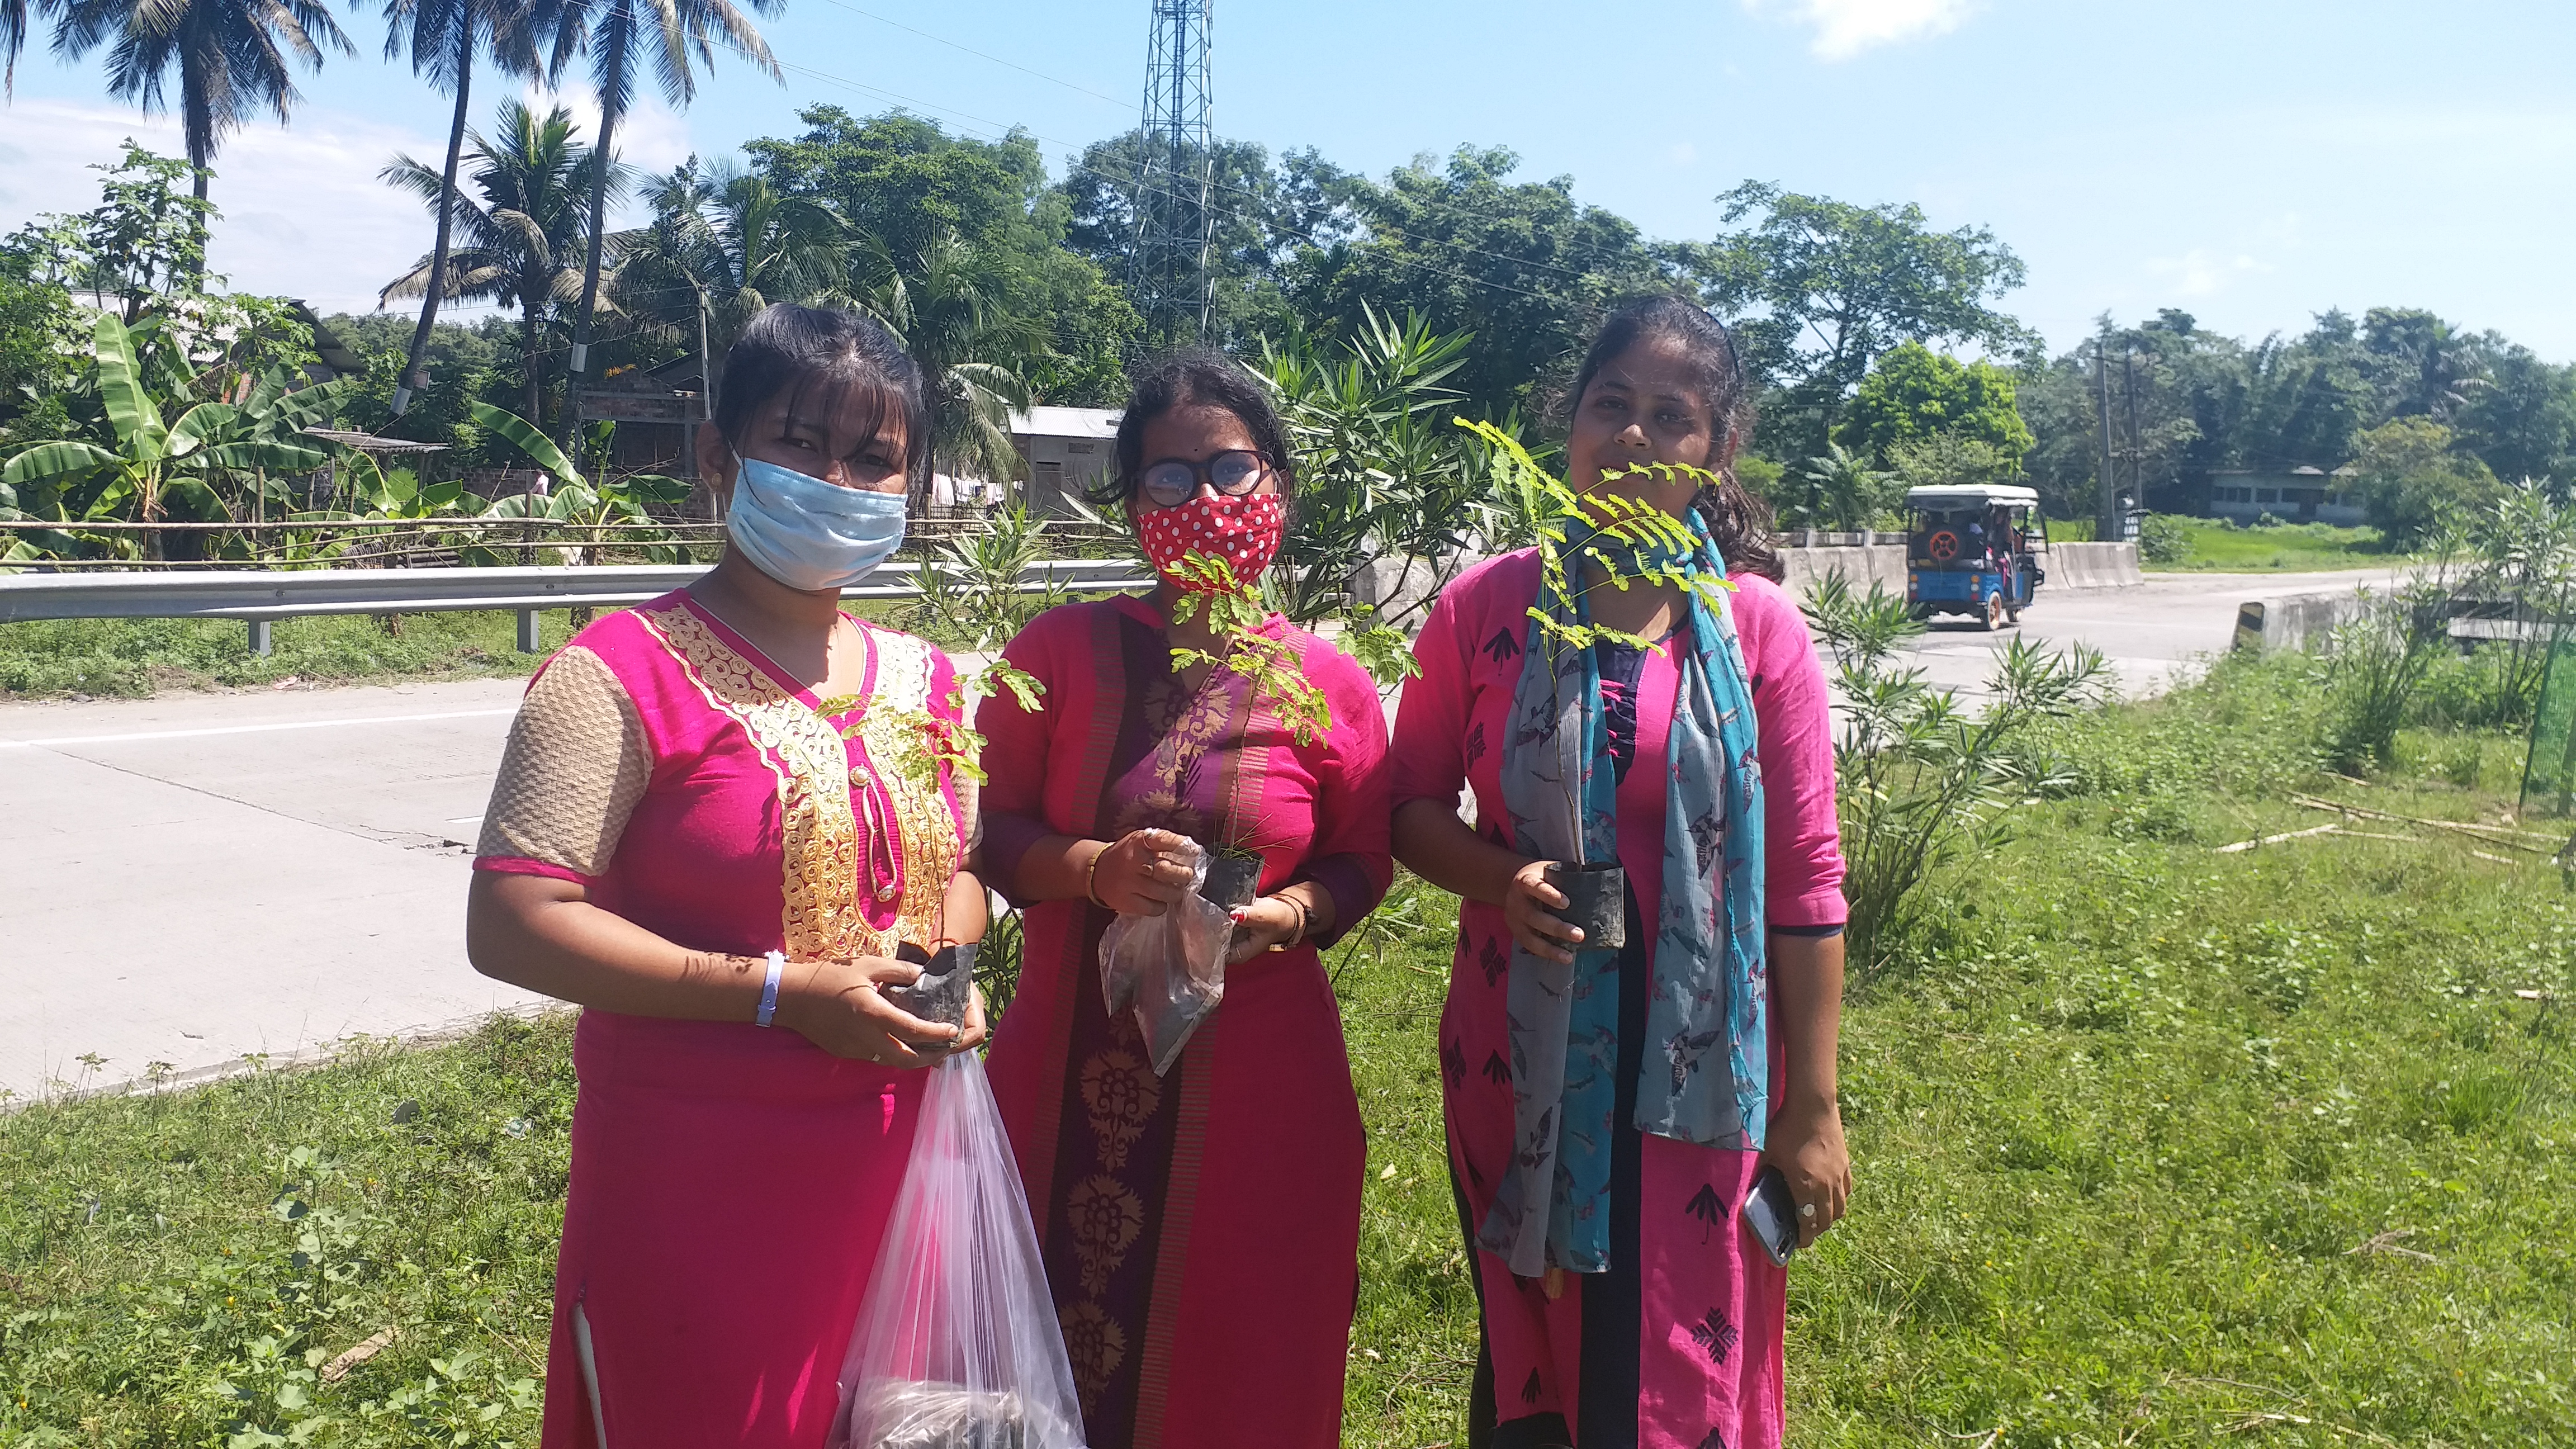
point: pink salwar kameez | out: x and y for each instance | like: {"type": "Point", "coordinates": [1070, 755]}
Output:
{"type": "Point", "coordinates": [729, 1184]}
{"type": "Point", "coordinates": [1678, 1345]}
{"type": "Point", "coordinates": [1201, 1229]}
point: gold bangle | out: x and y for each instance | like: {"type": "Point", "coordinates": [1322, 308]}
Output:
{"type": "Point", "coordinates": [1091, 879]}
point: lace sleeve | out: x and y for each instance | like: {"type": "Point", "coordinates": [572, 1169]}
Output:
{"type": "Point", "coordinates": [576, 764]}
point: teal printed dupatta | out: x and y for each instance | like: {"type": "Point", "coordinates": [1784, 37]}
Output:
{"type": "Point", "coordinates": [1706, 1073]}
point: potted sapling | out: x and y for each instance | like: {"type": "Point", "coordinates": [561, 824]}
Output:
{"type": "Point", "coordinates": [1571, 528]}
{"type": "Point", "coordinates": [929, 750]}
{"type": "Point", "coordinates": [1235, 611]}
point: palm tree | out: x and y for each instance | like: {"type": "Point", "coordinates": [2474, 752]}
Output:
{"type": "Point", "coordinates": [443, 36]}
{"type": "Point", "coordinates": [724, 244]}
{"type": "Point", "coordinates": [616, 35]}
{"type": "Point", "coordinates": [523, 240]}
{"type": "Point", "coordinates": [947, 305]}
{"type": "Point", "coordinates": [1843, 489]}
{"type": "Point", "coordinates": [231, 56]}
{"type": "Point", "coordinates": [17, 17]}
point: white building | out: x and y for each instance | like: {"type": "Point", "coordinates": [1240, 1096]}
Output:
{"type": "Point", "coordinates": [2300, 495]}
{"type": "Point", "coordinates": [1068, 451]}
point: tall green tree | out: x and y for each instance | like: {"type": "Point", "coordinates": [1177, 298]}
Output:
{"type": "Point", "coordinates": [1261, 217]}
{"type": "Point", "coordinates": [526, 235]}
{"type": "Point", "coordinates": [1522, 266]}
{"type": "Point", "coordinates": [2422, 366]}
{"type": "Point", "coordinates": [1826, 287]}
{"type": "Point", "coordinates": [1915, 392]}
{"type": "Point", "coordinates": [2414, 477]}
{"type": "Point", "coordinates": [2523, 424]}
{"type": "Point", "coordinates": [618, 37]}
{"type": "Point", "coordinates": [233, 58]}
{"type": "Point", "coordinates": [724, 244]}
{"type": "Point", "coordinates": [442, 37]}
{"type": "Point", "coordinates": [903, 185]}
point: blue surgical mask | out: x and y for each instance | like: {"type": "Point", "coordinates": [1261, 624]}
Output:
{"type": "Point", "coordinates": [809, 534]}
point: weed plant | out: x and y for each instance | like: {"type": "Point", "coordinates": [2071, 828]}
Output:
{"type": "Point", "coordinates": [2153, 1146]}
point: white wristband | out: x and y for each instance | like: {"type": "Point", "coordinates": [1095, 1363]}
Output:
{"type": "Point", "coordinates": [769, 988]}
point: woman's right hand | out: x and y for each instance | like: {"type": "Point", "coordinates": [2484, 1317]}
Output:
{"type": "Point", "coordinates": [1528, 901]}
{"type": "Point", "coordinates": [837, 1007]}
{"type": "Point", "coordinates": [1140, 873]}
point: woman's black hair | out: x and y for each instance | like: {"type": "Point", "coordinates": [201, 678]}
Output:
{"type": "Point", "coordinates": [1739, 521]}
{"type": "Point", "coordinates": [794, 350]}
{"type": "Point", "coordinates": [1177, 379]}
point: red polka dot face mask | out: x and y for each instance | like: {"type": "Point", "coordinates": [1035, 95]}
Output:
{"type": "Point", "coordinates": [1245, 532]}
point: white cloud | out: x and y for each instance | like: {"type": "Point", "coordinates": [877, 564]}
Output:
{"type": "Point", "coordinates": [1845, 28]}
{"type": "Point", "coordinates": [650, 136]}
{"type": "Point", "coordinates": [2201, 272]}
{"type": "Point", "coordinates": [303, 214]}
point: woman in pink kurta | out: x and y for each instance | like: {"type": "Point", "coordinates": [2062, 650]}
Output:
{"type": "Point", "coordinates": [682, 840]}
{"type": "Point", "coordinates": [1677, 1343]}
{"type": "Point", "coordinates": [1200, 1228]}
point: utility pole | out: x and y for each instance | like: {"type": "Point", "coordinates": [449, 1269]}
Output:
{"type": "Point", "coordinates": [1175, 172]}
{"type": "Point", "coordinates": [2106, 510]}
{"type": "Point", "coordinates": [2137, 443]}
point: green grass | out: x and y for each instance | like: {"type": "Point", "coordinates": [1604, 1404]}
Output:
{"type": "Point", "coordinates": [130, 658]}
{"type": "Point", "coordinates": [2153, 1146]}
{"type": "Point", "coordinates": [2217, 546]}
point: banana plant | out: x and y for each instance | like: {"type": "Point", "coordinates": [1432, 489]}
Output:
{"type": "Point", "coordinates": [572, 502]}
{"type": "Point", "coordinates": [168, 449]}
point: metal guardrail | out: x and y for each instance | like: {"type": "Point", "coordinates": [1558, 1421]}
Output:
{"type": "Point", "coordinates": [259, 598]}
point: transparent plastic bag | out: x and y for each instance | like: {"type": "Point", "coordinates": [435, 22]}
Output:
{"type": "Point", "coordinates": [956, 1345]}
{"type": "Point", "coordinates": [1169, 969]}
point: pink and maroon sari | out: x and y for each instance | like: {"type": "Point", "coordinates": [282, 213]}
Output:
{"type": "Point", "coordinates": [729, 1184]}
{"type": "Point", "coordinates": [1201, 1229]}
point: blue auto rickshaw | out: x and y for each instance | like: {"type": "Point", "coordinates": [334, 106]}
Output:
{"type": "Point", "coordinates": [1974, 549]}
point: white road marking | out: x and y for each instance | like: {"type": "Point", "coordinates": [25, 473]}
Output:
{"type": "Point", "coordinates": [302, 724]}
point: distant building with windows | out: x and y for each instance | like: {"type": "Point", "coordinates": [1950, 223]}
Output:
{"type": "Point", "coordinates": [1067, 450]}
{"type": "Point", "coordinates": [2298, 495]}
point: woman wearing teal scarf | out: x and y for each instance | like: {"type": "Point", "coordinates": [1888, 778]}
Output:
{"type": "Point", "coordinates": [1609, 1104]}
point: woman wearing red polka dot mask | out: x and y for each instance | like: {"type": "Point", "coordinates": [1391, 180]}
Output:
{"type": "Point", "coordinates": [1223, 1318]}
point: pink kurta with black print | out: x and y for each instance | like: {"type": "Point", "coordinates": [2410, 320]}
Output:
{"type": "Point", "coordinates": [1679, 1345]}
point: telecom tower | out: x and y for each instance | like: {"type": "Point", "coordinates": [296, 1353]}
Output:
{"type": "Point", "coordinates": [1175, 227]}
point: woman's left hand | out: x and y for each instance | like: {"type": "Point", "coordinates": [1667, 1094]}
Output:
{"type": "Point", "coordinates": [1266, 922]}
{"type": "Point", "coordinates": [975, 1032]}
{"type": "Point", "coordinates": [1806, 1143]}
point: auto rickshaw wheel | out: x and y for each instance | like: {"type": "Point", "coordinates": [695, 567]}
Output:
{"type": "Point", "coordinates": [1919, 612]}
{"type": "Point", "coordinates": [1994, 610]}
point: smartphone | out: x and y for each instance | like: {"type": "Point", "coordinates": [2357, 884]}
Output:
{"type": "Point", "coordinates": [1772, 1215]}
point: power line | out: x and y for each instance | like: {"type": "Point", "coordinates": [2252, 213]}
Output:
{"type": "Point", "coordinates": [981, 55]}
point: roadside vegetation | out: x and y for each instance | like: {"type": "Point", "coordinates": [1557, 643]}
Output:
{"type": "Point", "coordinates": [2157, 1143]}
{"type": "Point", "coordinates": [2174, 543]}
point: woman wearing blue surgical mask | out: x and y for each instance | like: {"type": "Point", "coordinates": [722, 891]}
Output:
{"type": "Point", "coordinates": [720, 819]}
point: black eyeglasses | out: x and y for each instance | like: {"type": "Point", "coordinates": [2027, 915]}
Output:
{"type": "Point", "coordinates": [1234, 473]}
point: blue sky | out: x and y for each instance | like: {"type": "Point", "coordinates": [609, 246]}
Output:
{"type": "Point", "coordinates": [2252, 162]}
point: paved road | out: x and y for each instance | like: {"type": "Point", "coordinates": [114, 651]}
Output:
{"type": "Point", "coordinates": [194, 878]}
